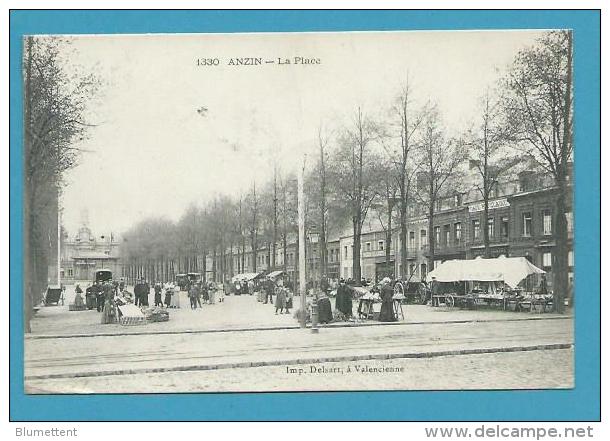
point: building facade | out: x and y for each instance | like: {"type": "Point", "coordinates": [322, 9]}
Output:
{"type": "Point", "coordinates": [85, 253]}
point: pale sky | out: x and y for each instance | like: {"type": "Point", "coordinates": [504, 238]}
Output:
{"type": "Point", "coordinates": [153, 154]}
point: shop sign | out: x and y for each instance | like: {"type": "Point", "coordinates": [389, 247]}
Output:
{"type": "Point", "coordinates": [493, 204]}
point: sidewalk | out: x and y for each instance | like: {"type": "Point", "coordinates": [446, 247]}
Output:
{"type": "Point", "coordinates": [240, 313]}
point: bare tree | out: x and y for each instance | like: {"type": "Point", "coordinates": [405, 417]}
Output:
{"type": "Point", "coordinates": [487, 142]}
{"type": "Point", "coordinates": [354, 178]}
{"type": "Point", "coordinates": [410, 121]}
{"type": "Point", "coordinates": [439, 160]}
{"type": "Point", "coordinates": [538, 104]}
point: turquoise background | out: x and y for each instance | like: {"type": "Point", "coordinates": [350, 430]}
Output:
{"type": "Point", "coordinates": [579, 404]}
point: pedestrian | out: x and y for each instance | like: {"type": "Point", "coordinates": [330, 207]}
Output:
{"type": "Point", "coordinates": [158, 301]}
{"type": "Point", "coordinates": [122, 284]}
{"type": "Point", "coordinates": [289, 297]}
{"type": "Point", "coordinates": [543, 289]}
{"type": "Point", "coordinates": [344, 299]}
{"type": "Point", "coordinates": [268, 287]}
{"type": "Point", "coordinates": [193, 294]}
{"type": "Point", "coordinates": [435, 289]}
{"type": "Point", "coordinates": [175, 295]}
{"type": "Point", "coordinates": [137, 292]}
{"type": "Point", "coordinates": [387, 301]}
{"type": "Point", "coordinates": [99, 296]}
{"type": "Point", "coordinates": [78, 298]}
{"type": "Point", "coordinates": [108, 314]}
{"type": "Point", "coordinates": [204, 294]}
{"type": "Point", "coordinates": [145, 292]}
{"type": "Point", "coordinates": [280, 297]}
{"type": "Point", "coordinates": [212, 293]}
{"type": "Point", "coordinates": [168, 295]}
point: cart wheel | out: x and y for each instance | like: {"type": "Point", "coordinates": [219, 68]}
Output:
{"type": "Point", "coordinates": [450, 301]}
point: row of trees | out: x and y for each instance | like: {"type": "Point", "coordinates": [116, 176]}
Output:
{"type": "Point", "coordinates": [387, 164]}
{"type": "Point", "coordinates": [55, 103]}
{"type": "Point", "coordinates": [395, 162]}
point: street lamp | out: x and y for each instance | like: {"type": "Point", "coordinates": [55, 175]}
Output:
{"type": "Point", "coordinates": [313, 238]}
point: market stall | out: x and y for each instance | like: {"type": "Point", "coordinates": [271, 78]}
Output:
{"type": "Point", "coordinates": [491, 282]}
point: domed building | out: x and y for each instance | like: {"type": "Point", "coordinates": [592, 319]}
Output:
{"type": "Point", "coordinates": [87, 252]}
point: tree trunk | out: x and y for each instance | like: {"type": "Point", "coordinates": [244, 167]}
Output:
{"type": "Point", "coordinates": [356, 269]}
{"type": "Point", "coordinates": [431, 238]}
{"type": "Point", "coordinates": [560, 257]}
{"type": "Point", "coordinates": [485, 223]}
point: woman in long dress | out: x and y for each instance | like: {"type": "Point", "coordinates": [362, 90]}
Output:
{"type": "Point", "coordinates": [175, 296]}
{"type": "Point", "coordinates": [280, 297]}
{"type": "Point", "coordinates": [212, 293]}
{"type": "Point", "coordinates": [387, 303]}
{"type": "Point", "coordinates": [108, 314]}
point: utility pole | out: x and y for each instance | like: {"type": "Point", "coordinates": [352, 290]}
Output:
{"type": "Point", "coordinates": [302, 265]}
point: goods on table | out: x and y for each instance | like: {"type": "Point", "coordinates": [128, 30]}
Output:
{"type": "Point", "coordinates": [155, 314]}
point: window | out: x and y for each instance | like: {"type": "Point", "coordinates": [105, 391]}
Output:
{"type": "Point", "coordinates": [381, 245]}
{"type": "Point", "coordinates": [411, 239]}
{"type": "Point", "coordinates": [546, 260]}
{"type": "Point", "coordinates": [457, 199]}
{"type": "Point", "coordinates": [437, 235]}
{"type": "Point", "coordinates": [504, 226]}
{"type": "Point", "coordinates": [570, 259]}
{"type": "Point", "coordinates": [439, 205]}
{"type": "Point", "coordinates": [368, 246]}
{"type": "Point", "coordinates": [70, 272]}
{"type": "Point", "coordinates": [423, 271]}
{"type": "Point", "coordinates": [547, 223]}
{"type": "Point", "coordinates": [476, 229]}
{"type": "Point", "coordinates": [570, 221]}
{"type": "Point", "coordinates": [457, 232]}
{"type": "Point", "coordinates": [447, 234]}
{"type": "Point", "coordinates": [345, 252]}
{"type": "Point", "coordinates": [423, 237]}
{"type": "Point", "coordinates": [490, 227]}
{"type": "Point", "coordinates": [526, 227]}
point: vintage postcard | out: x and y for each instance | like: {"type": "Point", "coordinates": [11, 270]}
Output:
{"type": "Point", "coordinates": [266, 212]}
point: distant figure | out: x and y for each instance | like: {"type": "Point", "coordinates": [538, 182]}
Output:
{"type": "Point", "coordinates": [193, 294]}
{"type": "Point", "coordinates": [543, 289]}
{"type": "Point", "coordinates": [212, 293]}
{"type": "Point", "coordinates": [78, 298]}
{"type": "Point", "coordinates": [280, 297]}
{"type": "Point", "coordinates": [158, 300]}
{"type": "Point", "coordinates": [99, 296]}
{"type": "Point", "coordinates": [268, 287]}
{"type": "Point", "coordinates": [435, 290]}
{"type": "Point", "coordinates": [108, 312]}
{"type": "Point", "coordinates": [168, 296]}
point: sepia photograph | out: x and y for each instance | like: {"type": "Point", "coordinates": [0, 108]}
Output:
{"type": "Point", "coordinates": [298, 212]}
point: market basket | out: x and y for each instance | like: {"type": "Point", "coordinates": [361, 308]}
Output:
{"type": "Point", "coordinates": [132, 321]}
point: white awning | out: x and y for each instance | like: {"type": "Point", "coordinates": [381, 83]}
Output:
{"type": "Point", "coordinates": [510, 270]}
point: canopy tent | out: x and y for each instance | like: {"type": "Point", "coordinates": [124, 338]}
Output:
{"type": "Point", "coordinates": [510, 270]}
{"type": "Point", "coordinates": [275, 274]}
{"type": "Point", "coordinates": [244, 277]}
